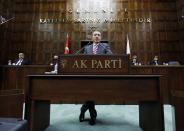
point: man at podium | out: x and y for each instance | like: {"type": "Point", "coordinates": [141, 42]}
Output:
{"type": "Point", "coordinates": [96, 48]}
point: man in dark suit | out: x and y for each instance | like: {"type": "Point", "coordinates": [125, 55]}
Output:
{"type": "Point", "coordinates": [97, 48]}
{"type": "Point", "coordinates": [154, 61]}
{"type": "Point", "coordinates": [21, 60]}
{"type": "Point", "coordinates": [134, 60]}
{"type": "Point", "coordinates": [55, 64]}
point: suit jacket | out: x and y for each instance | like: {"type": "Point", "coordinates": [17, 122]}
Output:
{"type": "Point", "coordinates": [24, 62]}
{"type": "Point", "coordinates": [134, 62]}
{"type": "Point", "coordinates": [153, 62]}
{"type": "Point", "coordinates": [103, 48]}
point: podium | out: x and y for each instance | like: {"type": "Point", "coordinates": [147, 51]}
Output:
{"type": "Point", "coordinates": [94, 64]}
{"type": "Point", "coordinates": [102, 85]}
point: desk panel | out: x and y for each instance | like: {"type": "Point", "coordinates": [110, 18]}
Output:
{"type": "Point", "coordinates": [14, 77]}
{"type": "Point", "coordinates": [108, 89]}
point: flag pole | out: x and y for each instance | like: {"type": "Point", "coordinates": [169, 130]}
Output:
{"type": "Point", "coordinates": [128, 46]}
{"type": "Point", "coordinates": [67, 45]}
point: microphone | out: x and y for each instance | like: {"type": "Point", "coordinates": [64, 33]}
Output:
{"type": "Point", "coordinates": [107, 48]}
{"type": "Point", "coordinates": [77, 52]}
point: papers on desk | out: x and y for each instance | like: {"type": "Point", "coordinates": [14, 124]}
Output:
{"type": "Point", "coordinates": [51, 72]}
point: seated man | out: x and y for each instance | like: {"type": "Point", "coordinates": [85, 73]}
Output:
{"type": "Point", "coordinates": [154, 61]}
{"type": "Point", "coordinates": [134, 60]}
{"type": "Point", "coordinates": [55, 63]}
{"type": "Point", "coordinates": [97, 48]}
{"type": "Point", "coordinates": [2, 19]}
{"type": "Point", "coordinates": [21, 60]}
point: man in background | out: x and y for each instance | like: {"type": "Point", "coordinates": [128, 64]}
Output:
{"type": "Point", "coordinates": [55, 64]}
{"type": "Point", "coordinates": [134, 60]}
{"type": "Point", "coordinates": [2, 19]}
{"type": "Point", "coordinates": [21, 60]}
{"type": "Point", "coordinates": [97, 48]}
{"type": "Point", "coordinates": [154, 61]}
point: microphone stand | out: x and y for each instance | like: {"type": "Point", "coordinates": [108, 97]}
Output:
{"type": "Point", "coordinates": [107, 48]}
{"type": "Point", "coordinates": [82, 48]}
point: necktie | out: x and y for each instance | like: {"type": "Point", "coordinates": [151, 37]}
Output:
{"type": "Point", "coordinates": [19, 62]}
{"type": "Point", "coordinates": [95, 48]}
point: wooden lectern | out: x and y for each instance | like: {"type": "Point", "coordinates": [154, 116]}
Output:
{"type": "Point", "coordinates": [95, 78]}
{"type": "Point", "coordinates": [94, 64]}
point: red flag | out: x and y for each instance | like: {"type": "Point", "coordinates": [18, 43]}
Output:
{"type": "Point", "coordinates": [67, 45]}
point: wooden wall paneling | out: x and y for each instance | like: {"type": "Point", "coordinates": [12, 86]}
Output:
{"type": "Point", "coordinates": [177, 98]}
{"type": "Point", "coordinates": [180, 13]}
{"type": "Point", "coordinates": [150, 38]}
{"type": "Point", "coordinates": [3, 45]}
{"type": "Point", "coordinates": [46, 34]}
{"type": "Point", "coordinates": [6, 10]}
{"type": "Point", "coordinates": [1, 77]}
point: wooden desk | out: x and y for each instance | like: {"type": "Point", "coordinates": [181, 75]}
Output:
{"type": "Point", "coordinates": [173, 75]}
{"type": "Point", "coordinates": [14, 77]}
{"type": "Point", "coordinates": [103, 89]}
{"type": "Point", "coordinates": [178, 103]}
{"type": "Point", "coordinates": [173, 91]}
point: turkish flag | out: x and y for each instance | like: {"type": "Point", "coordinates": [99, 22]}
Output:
{"type": "Point", "coordinates": [67, 45]}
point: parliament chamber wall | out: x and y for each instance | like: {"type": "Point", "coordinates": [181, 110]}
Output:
{"type": "Point", "coordinates": [162, 36]}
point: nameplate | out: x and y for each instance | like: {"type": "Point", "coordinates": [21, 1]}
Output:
{"type": "Point", "coordinates": [93, 64]}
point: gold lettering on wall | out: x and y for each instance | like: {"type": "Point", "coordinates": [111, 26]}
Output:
{"type": "Point", "coordinates": [88, 20]}
{"type": "Point", "coordinates": [85, 17]}
{"type": "Point", "coordinates": [95, 15]}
